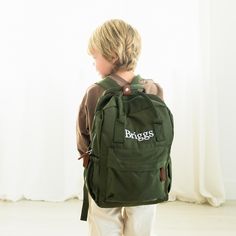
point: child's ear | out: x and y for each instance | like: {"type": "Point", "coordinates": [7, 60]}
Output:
{"type": "Point", "coordinates": [114, 59]}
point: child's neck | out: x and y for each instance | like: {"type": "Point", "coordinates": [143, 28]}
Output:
{"type": "Point", "coordinates": [126, 75]}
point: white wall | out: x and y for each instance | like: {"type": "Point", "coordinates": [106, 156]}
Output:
{"type": "Point", "coordinates": [45, 70]}
{"type": "Point", "coordinates": [223, 72]}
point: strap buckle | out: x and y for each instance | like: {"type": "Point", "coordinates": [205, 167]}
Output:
{"type": "Point", "coordinates": [86, 158]}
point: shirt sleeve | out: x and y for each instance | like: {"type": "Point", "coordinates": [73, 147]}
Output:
{"type": "Point", "coordinates": [82, 129]}
{"type": "Point", "coordinates": [85, 117]}
{"type": "Point", "coordinates": [159, 91]}
{"type": "Point", "coordinates": [150, 87]}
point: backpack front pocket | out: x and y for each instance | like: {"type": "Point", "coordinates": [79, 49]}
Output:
{"type": "Point", "coordinates": [135, 177]}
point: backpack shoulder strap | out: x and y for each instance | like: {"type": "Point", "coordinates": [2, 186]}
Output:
{"type": "Point", "coordinates": [108, 83]}
{"type": "Point", "coordinates": [136, 80]}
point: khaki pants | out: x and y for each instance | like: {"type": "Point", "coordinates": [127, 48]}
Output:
{"type": "Point", "coordinates": [128, 221]}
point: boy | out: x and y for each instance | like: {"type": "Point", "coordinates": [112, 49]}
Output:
{"type": "Point", "coordinates": [115, 47]}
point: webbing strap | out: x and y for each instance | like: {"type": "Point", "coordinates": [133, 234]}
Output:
{"type": "Point", "coordinates": [84, 212]}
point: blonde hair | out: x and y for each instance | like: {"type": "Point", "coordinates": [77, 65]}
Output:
{"type": "Point", "coordinates": [115, 39]}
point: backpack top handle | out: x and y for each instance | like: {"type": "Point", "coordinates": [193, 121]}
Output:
{"type": "Point", "coordinates": [110, 85]}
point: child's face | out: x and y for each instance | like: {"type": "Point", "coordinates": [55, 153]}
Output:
{"type": "Point", "coordinates": [103, 66]}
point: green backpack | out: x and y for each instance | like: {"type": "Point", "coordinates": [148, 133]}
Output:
{"type": "Point", "coordinates": [129, 155]}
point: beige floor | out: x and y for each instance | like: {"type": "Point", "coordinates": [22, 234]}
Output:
{"type": "Point", "coordinates": [34, 218]}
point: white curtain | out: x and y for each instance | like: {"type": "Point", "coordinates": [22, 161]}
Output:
{"type": "Point", "coordinates": [45, 70]}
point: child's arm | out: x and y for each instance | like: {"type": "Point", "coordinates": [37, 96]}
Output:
{"type": "Point", "coordinates": [82, 129]}
{"type": "Point", "coordinates": [85, 117]}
